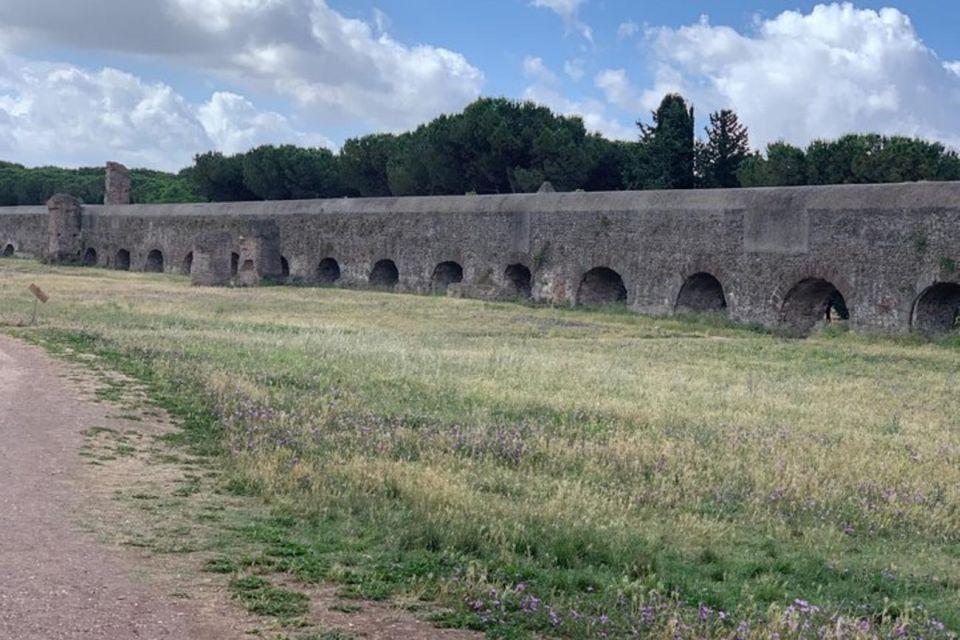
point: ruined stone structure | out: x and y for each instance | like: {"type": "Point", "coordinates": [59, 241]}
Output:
{"type": "Point", "coordinates": [118, 186]}
{"type": "Point", "coordinates": [884, 256]}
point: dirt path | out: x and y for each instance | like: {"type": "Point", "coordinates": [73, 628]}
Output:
{"type": "Point", "coordinates": [54, 582]}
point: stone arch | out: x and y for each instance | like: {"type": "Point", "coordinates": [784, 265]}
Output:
{"type": "Point", "coordinates": [90, 257]}
{"type": "Point", "coordinates": [701, 293]}
{"type": "Point", "coordinates": [385, 274]}
{"type": "Point", "coordinates": [121, 261]}
{"type": "Point", "coordinates": [154, 262]}
{"type": "Point", "coordinates": [234, 263]}
{"type": "Point", "coordinates": [519, 280]}
{"type": "Point", "coordinates": [812, 301]}
{"type": "Point", "coordinates": [246, 267]}
{"type": "Point", "coordinates": [444, 275]}
{"type": "Point", "coordinates": [937, 309]}
{"type": "Point", "coordinates": [601, 285]}
{"type": "Point", "coordinates": [328, 271]}
{"type": "Point", "coordinates": [9, 250]}
{"type": "Point", "coordinates": [187, 266]}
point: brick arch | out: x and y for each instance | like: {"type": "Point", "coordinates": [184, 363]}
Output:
{"type": "Point", "coordinates": [804, 296]}
{"type": "Point", "coordinates": [693, 270]}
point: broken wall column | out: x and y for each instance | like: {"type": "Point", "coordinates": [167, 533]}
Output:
{"type": "Point", "coordinates": [118, 186]}
{"type": "Point", "coordinates": [211, 259]}
{"type": "Point", "coordinates": [260, 255]}
{"type": "Point", "coordinates": [65, 241]}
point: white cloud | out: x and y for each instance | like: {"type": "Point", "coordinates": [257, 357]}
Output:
{"type": "Point", "coordinates": [618, 90]}
{"type": "Point", "coordinates": [569, 10]}
{"type": "Point", "coordinates": [337, 69]}
{"type": "Point", "coordinates": [544, 90]}
{"type": "Point", "coordinates": [534, 68]}
{"type": "Point", "coordinates": [953, 67]}
{"type": "Point", "coordinates": [628, 29]}
{"type": "Point", "coordinates": [835, 70]}
{"type": "Point", "coordinates": [575, 69]}
{"type": "Point", "coordinates": [62, 114]}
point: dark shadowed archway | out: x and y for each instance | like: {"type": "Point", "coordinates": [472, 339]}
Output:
{"type": "Point", "coordinates": [384, 275]}
{"type": "Point", "coordinates": [701, 293]}
{"type": "Point", "coordinates": [187, 266]}
{"type": "Point", "coordinates": [328, 271]}
{"type": "Point", "coordinates": [284, 268]}
{"type": "Point", "coordinates": [812, 301]}
{"type": "Point", "coordinates": [121, 261]}
{"type": "Point", "coordinates": [154, 262]}
{"type": "Point", "coordinates": [90, 257]}
{"type": "Point", "coordinates": [444, 275]}
{"type": "Point", "coordinates": [601, 285]}
{"type": "Point", "coordinates": [520, 280]}
{"type": "Point", "coordinates": [234, 263]}
{"type": "Point", "coordinates": [8, 251]}
{"type": "Point", "coordinates": [937, 309]}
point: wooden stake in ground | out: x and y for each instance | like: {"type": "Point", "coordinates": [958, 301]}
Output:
{"type": "Point", "coordinates": [39, 296]}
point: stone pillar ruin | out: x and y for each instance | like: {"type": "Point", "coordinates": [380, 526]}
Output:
{"type": "Point", "coordinates": [65, 242]}
{"type": "Point", "coordinates": [211, 259]}
{"type": "Point", "coordinates": [260, 259]}
{"type": "Point", "coordinates": [118, 186]}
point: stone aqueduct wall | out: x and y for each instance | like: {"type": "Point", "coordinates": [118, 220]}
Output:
{"type": "Point", "coordinates": [776, 256]}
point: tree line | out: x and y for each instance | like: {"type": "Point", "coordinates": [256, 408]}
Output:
{"type": "Point", "coordinates": [496, 145]}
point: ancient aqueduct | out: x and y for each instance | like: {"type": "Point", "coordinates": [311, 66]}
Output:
{"type": "Point", "coordinates": [887, 257]}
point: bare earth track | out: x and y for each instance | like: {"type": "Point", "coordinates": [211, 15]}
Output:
{"type": "Point", "coordinates": [59, 582]}
{"type": "Point", "coordinates": [55, 582]}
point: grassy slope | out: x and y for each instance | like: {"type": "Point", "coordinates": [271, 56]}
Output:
{"type": "Point", "coordinates": [554, 470]}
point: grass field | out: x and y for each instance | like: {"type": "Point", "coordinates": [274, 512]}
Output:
{"type": "Point", "coordinates": [538, 471]}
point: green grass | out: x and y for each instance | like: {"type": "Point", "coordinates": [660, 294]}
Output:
{"type": "Point", "coordinates": [549, 471]}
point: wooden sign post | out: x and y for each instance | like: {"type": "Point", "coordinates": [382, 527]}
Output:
{"type": "Point", "coordinates": [39, 296]}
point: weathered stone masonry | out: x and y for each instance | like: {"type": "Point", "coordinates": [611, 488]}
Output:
{"type": "Point", "coordinates": [887, 255]}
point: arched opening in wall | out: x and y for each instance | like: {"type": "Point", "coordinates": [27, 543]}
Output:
{"type": "Point", "coordinates": [284, 268]}
{"type": "Point", "coordinates": [520, 280]}
{"type": "Point", "coordinates": [247, 266]}
{"type": "Point", "coordinates": [234, 263]}
{"type": "Point", "coordinates": [187, 266]}
{"type": "Point", "coordinates": [701, 293]}
{"type": "Point", "coordinates": [937, 309]}
{"type": "Point", "coordinates": [812, 301]}
{"type": "Point", "coordinates": [384, 275]}
{"type": "Point", "coordinates": [154, 262]}
{"type": "Point", "coordinates": [122, 260]}
{"type": "Point", "coordinates": [444, 275]}
{"type": "Point", "coordinates": [8, 251]}
{"type": "Point", "coordinates": [328, 271]}
{"type": "Point", "coordinates": [600, 286]}
{"type": "Point", "coordinates": [90, 257]}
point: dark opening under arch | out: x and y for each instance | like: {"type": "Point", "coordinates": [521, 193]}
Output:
{"type": "Point", "coordinates": [90, 257]}
{"type": "Point", "coordinates": [601, 285]}
{"type": "Point", "coordinates": [284, 268]}
{"type": "Point", "coordinates": [328, 271]}
{"type": "Point", "coordinates": [8, 251]}
{"type": "Point", "coordinates": [937, 309]}
{"type": "Point", "coordinates": [701, 293]}
{"type": "Point", "coordinates": [247, 266]}
{"type": "Point", "coordinates": [122, 260]}
{"type": "Point", "coordinates": [234, 263]}
{"type": "Point", "coordinates": [385, 275]}
{"type": "Point", "coordinates": [187, 266]}
{"type": "Point", "coordinates": [812, 301]}
{"type": "Point", "coordinates": [520, 280]}
{"type": "Point", "coordinates": [154, 262]}
{"type": "Point", "coordinates": [444, 275]}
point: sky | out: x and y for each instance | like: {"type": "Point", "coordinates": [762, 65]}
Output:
{"type": "Point", "coordinates": [150, 83]}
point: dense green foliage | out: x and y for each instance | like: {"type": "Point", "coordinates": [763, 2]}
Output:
{"type": "Point", "coordinates": [852, 159]}
{"type": "Point", "coordinates": [497, 145]}
{"type": "Point", "coordinates": [22, 186]}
